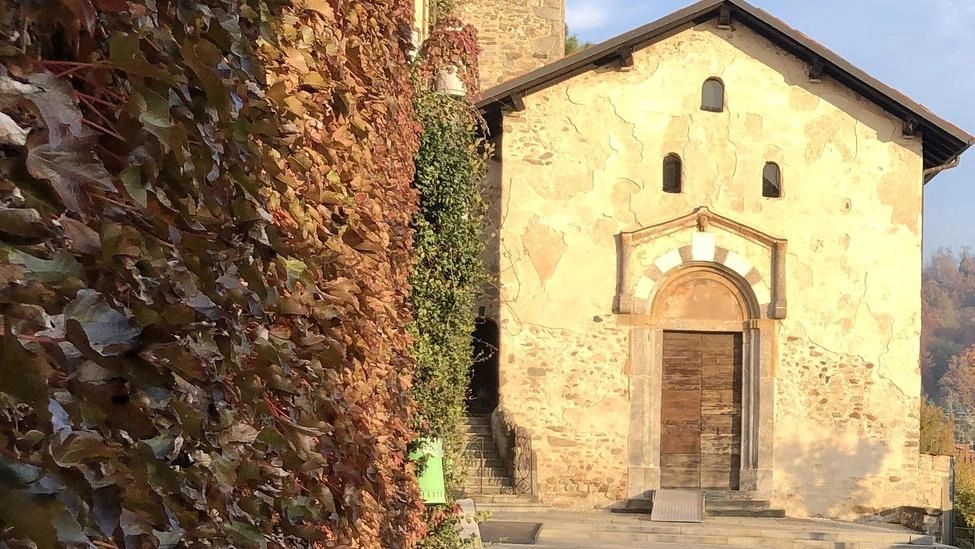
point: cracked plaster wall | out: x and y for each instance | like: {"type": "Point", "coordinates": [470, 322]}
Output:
{"type": "Point", "coordinates": [516, 36]}
{"type": "Point", "coordinates": [582, 163]}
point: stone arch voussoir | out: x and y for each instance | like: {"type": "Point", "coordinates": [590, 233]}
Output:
{"type": "Point", "coordinates": [699, 254]}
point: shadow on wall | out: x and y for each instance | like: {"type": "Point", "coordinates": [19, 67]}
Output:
{"type": "Point", "coordinates": [489, 302]}
{"type": "Point", "coordinates": [832, 477]}
{"type": "Point", "coordinates": [483, 393]}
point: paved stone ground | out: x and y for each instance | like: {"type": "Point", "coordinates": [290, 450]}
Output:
{"type": "Point", "coordinates": [596, 530]}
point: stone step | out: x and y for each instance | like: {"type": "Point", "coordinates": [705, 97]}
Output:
{"type": "Point", "coordinates": [497, 472]}
{"type": "Point", "coordinates": [495, 508]}
{"type": "Point", "coordinates": [555, 534]}
{"type": "Point", "coordinates": [503, 504]}
{"type": "Point", "coordinates": [731, 495]}
{"type": "Point", "coordinates": [487, 445]}
{"type": "Point", "coordinates": [786, 533]}
{"type": "Point", "coordinates": [601, 545]}
{"type": "Point", "coordinates": [474, 490]}
{"type": "Point", "coordinates": [488, 481]}
{"type": "Point", "coordinates": [714, 533]}
{"type": "Point", "coordinates": [633, 507]}
{"type": "Point", "coordinates": [511, 499]}
{"type": "Point", "coordinates": [713, 507]}
{"type": "Point", "coordinates": [597, 544]}
{"type": "Point", "coordinates": [738, 512]}
{"type": "Point", "coordinates": [741, 508]}
{"type": "Point", "coordinates": [491, 462]}
{"type": "Point", "coordinates": [475, 454]}
{"type": "Point", "coordinates": [739, 504]}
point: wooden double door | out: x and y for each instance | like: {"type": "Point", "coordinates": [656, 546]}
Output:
{"type": "Point", "coordinates": [700, 410]}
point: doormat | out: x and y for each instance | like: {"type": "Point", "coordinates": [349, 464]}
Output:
{"type": "Point", "coordinates": [520, 533]}
{"type": "Point", "coordinates": [678, 506]}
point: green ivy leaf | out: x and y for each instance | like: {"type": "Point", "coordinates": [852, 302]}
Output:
{"type": "Point", "coordinates": [52, 271]}
{"type": "Point", "coordinates": [245, 534]}
{"type": "Point", "coordinates": [125, 52]}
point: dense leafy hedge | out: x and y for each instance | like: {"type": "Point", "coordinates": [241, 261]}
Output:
{"type": "Point", "coordinates": [205, 230]}
{"type": "Point", "coordinates": [448, 273]}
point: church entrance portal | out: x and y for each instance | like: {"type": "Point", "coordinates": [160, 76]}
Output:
{"type": "Point", "coordinates": [700, 410]}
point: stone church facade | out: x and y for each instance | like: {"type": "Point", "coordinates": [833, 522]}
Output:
{"type": "Point", "coordinates": [706, 245]}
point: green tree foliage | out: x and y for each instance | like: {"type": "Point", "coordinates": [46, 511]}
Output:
{"type": "Point", "coordinates": [205, 241]}
{"type": "Point", "coordinates": [948, 364]}
{"type": "Point", "coordinates": [965, 494]}
{"type": "Point", "coordinates": [572, 43]}
{"type": "Point", "coordinates": [948, 321]}
{"type": "Point", "coordinates": [937, 433]}
{"type": "Point", "coordinates": [937, 438]}
{"type": "Point", "coordinates": [948, 337]}
{"type": "Point", "coordinates": [958, 390]}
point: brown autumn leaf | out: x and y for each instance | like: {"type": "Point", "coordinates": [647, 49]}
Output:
{"type": "Point", "coordinates": [84, 11]}
{"type": "Point", "coordinates": [112, 6]}
{"type": "Point", "coordinates": [162, 292]}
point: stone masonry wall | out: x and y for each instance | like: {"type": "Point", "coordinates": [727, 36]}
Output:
{"type": "Point", "coordinates": [933, 472]}
{"type": "Point", "coordinates": [516, 36]}
{"type": "Point", "coordinates": [854, 457]}
{"type": "Point", "coordinates": [570, 386]}
{"type": "Point", "coordinates": [582, 163]}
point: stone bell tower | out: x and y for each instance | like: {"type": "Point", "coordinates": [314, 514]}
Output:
{"type": "Point", "coordinates": [516, 36]}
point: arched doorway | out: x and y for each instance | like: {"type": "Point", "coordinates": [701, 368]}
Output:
{"type": "Point", "coordinates": [700, 385]}
{"type": "Point", "coordinates": [702, 316]}
{"type": "Point", "coordinates": [482, 395]}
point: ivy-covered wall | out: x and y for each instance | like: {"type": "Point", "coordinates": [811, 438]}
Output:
{"type": "Point", "coordinates": [448, 272]}
{"type": "Point", "coordinates": [205, 213]}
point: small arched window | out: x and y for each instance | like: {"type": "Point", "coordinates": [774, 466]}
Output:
{"type": "Point", "coordinates": [772, 181]}
{"type": "Point", "coordinates": [673, 174]}
{"type": "Point", "coordinates": [712, 95]}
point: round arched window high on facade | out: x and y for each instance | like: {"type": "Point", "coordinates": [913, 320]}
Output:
{"type": "Point", "coordinates": [772, 181]}
{"type": "Point", "coordinates": [673, 174]}
{"type": "Point", "coordinates": [712, 95]}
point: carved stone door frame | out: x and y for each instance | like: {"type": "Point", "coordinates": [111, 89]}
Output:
{"type": "Point", "coordinates": [762, 306]}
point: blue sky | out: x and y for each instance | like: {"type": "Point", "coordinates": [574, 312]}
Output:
{"type": "Point", "coordinates": [924, 48]}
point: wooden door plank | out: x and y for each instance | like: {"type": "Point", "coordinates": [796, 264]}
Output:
{"type": "Point", "coordinates": [680, 415]}
{"type": "Point", "coordinates": [721, 410]}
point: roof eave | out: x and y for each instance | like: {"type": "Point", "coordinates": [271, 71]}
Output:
{"type": "Point", "coordinates": [950, 140]}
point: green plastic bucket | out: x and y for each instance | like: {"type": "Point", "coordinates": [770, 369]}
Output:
{"type": "Point", "coordinates": [429, 458]}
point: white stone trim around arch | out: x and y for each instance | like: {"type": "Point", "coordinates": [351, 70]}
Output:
{"type": "Point", "coordinates": [699, 253]}
{"type": "Point", "coordinates": [632, 295]}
